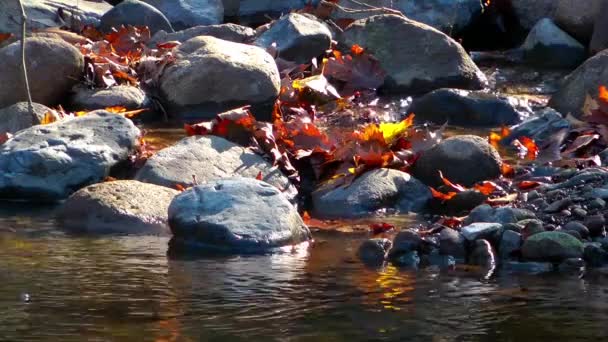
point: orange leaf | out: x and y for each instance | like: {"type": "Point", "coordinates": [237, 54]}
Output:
{"type": "Point", "coordinates": [494, 139]}
{"type": "Point", "coordinates": [507, 170]}
{"type": "Point", "coordinates": [4, 137]}
{"type": "Point", "coordinates": [457, 187]}
{"type": "Point", "coordinates": [168, 45]}
{"type": "Point", "coordinates": [382, 227]}
{"type": "Point", "coordinates": [486, 188]}
{"type": "Point", "coordinates": [603, 94]}
{"type": "Point", "coordinates": [48, 118]}
{"type": "Point", "coordinates": [259, 176]}
{"type": "Point", "coordinates": [357, 50]}
{"type": "Point", "coordinates": [527, 185]}
{"type": "Point", "coordinates": [306, 217]}
{"type": "Point", "coordinates": [179, 187]}
{"type": "Point", "coordinates": [529, 147]}
{"type": "Point", "coordinates": [441, 196]}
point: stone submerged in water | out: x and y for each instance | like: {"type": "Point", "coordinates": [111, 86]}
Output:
{"type": "Point", "coordinates": [373, 252]}
{"type": "Point", "coordinates": [548, 46]}
{"type": "Point", "coordinates": [374, 190]}
{"type": "Point", "coordinates": [552, 247]}
{"type": "Point", "coordinates": [48, 163]}
{"type": "Point", "coordinates": [212, 75]}
{"type": "Point", "coordinates": [443, 63]}
{"type": "Point", "coordinates": [237, 215]}
{"type": "Point", "coordinates": [136, 13]}
{"type": "Point", "coordinates": [17, 117]}
{"type": "Point", "coordinates": [120, 207]}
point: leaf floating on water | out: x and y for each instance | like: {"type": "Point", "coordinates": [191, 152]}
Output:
{"type": "Point", "coordinates": [382, 227]}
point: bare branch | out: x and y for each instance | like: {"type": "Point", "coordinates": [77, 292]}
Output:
{"type": "Point", "coordinates": [23, 64]}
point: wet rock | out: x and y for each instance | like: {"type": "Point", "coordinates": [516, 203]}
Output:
{"type": "Point", "coordinates": [510, 244]}
{"type": "Point", "coordinates": [552, 246]}
{"type": "Point", "coordinates": [483, 254]}
{"type": "Point", "coordinates": [583, 81]}
{"type": "Point", "coordinates": [406, 241]}
{"type": "Point", "coordinates": [514, 227]}
{"type": "Point", "coordinates": [373, 252]}
{"type": "Point", "coordinates": [17, 117]}
{"type": "Point", "coordinates": [136, 13]}
{"type": "Point", "coordinates": [572, 266]}
{"type": "Point", "coordinates": [528, 267]}
{"type": "Point", "coordinates": [231, 32]}
{"type": "Point", "coordinates": [53, 66]}
{"type": "Point", "coordinates": [578, 17]}
{"type": "Point", "coordinates": [595, 255]}
{"type": "Point", "coordinates": [407, 260]}
{"type": "Point", "coordinates": [130, 97]}
{"type": "Point", "coordinates": [599, 37]}
{"type": "Point", "coordinates": [298, 37]}
{"type": "Point", "coordinates": [119, 207]}
{"type": "Point", "coordinates": [531, 227]}
{"type": "Point", "coordinates": [374, 190]}
{"type": "Point", "coordinates": [464, 201]}
{"type": "Point", "coordinates": [43, 13]}
{"type": "Point", "coordinates": [207, 158]}
{"type": "Point", "coordinates": [575, 234]}
{"type": "Point", "coordinates": [463, 159]}
{"type": "Point", "coordinates": [451, 242]}
{"type": "Point", "coordinates": [559, 205]}
{"type": "Point", "coordinates": [548, 46]}
{"type": "Point", "coordinates": [444, 63]}
{"type": "Point", "coordinates": [237, 215]}
{"type": "Point", "coordinates": [48, 163]}
{"type": "Point", "coordinates": [438, 260]}
{"type": "Point", "coordinates": [486, 213]}
{"type": "Point", "coordinates": [540, 127]}
{"type": "Point", "coordinates": [212, 75]}
{"type": "Point", "coordinates": [596, 203]}
{"type": "Point", "coordinates": [480, 230]}
{"type": "Point", "coordinates": [577, 227]}
{"type": "Point", "coordinates": [596, 225]}
{"type": "Point", "coordinates": [529, 12]}
{"type": "Point", "coordinates": [188, 13]}
{"type": "Point", "coordinates": [466, 108]}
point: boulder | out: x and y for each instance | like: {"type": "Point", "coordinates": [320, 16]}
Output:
{"type": "Point", "coordinates": [595, 255]}
{"type": "Point", "coordinates": [212, 75]}
{"type": "Point", "coordinates": [466, 108]}
{"type": "Point", "coordinates": [481, 230]}
{"type": "Point", "coordinates": [118, 207]}
{"type": "Point", "coordinates": [130, 97]}
{"type": "Point", "coordinates": [237, 215]}
{"type": "Point", "coordinates": [43, 13]}
{"type": "Point", "coordinates": [599, 37]}
{"type": "Point", "coordinates": [231, 32]}
{"type": "Point", "coordinates": [136, 13]}
{"type": "Point", "coordinates": [430, 59]}
{"type": "Point", "coordinates": [451, 242]}
{"type": "Point", "coordinates": [463, 159]}
{"type": "Point", "coordinates": [207, 158]}
{"type": "Point", "coordinates": [53, 67]}
{"type": "Point", "coordinates": [49, 162]}
{"type": "Point", "coordinates": [529, 12]}
{"type": "Point", "coordinates": [373, 252]}
{"type": "Point", "coordinates": [188, 13]}
{"type": "Point", "coordinates": [503, 215]}
{"type": "Point", "coordinates": [577, 17]}
{"type": "Point", "coordinates": [510, 244]}
{"type": "Point", "coordinates": [583, 81]}
{"type": "Point", "coordinates": [548, 46]}
{"type": "Point", "coordinates": [406, 241]}
{"type": "Point", "coordinates": [552, 247]}
{"type": "Point", "coordinates": [17, 117]}
{"type": "Point", "coordinates": [374, 190]}
{"type": "Point", "coordinates": [298, 37]}
{"type": "Point", "coordinates": [578, 227]}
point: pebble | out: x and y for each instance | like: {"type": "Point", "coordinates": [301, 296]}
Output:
{"type": "Point", "coordinates": [558, 205]}
{"type": "Point", "coordinates": [596, 225]}
{"type": "Point", "coordinates": [579, 212]}
{"type": "Point", "coordinates": [596, 203]}
{"type": "Point", "coordinates": [577, 227]}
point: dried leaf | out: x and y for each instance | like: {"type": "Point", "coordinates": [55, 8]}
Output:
{"type": "Point", "coordinates": [359, 72]}
{"type": "Point", "coordinates": [528, 185]}
{"type": "Point", "coordinates": [5, 36]}
{"type": "Point", "coordinates": [447, 182]}
{"type": "Point", "coordinates": [382, 227]}
{"type": "Point", "coordinates": [441, 196]}
{"type": "Point", "coordinates": [486, 187]}
{"type": "Point", "coordinates": [4, 137]}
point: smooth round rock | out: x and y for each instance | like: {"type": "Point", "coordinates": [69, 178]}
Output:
{"type": "Point", "coordinates": [136, 13]}
{"type": "Point", "coordinates": [373, 252]}
{"type": "Point", "coordinates": [231, 32]}
{"type": "Point", "coordinates": [548, 46]}
{"type": "Point", "coordinates": [188, 13]}
{"type": "Point", "coordinates": [118, 207]}
{"type": "Point", "coordinates": [552, 247]}
{"type": "Point", "coordinates": [237, 215]}
{"type": "Point", "coordinates": [124, 96]}
{"type": "Point", "coordinates": [17, 117]}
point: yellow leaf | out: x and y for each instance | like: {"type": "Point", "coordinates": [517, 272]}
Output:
{"type": "Point", "coordinates": [116, 109]}
{"type": "Point", "coordinates": [392, 131]}
{"type": "Point", "coordinates": [81, 113]}
{"type": "Point", "coordinates": [48, 118]}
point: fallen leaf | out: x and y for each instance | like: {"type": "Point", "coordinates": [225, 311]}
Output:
{"type": "Point", "coordinates": [259, 176]}
{"type": "Point", "coordinates": [528, 185]}
{"type": "Point", "coordinates": [358, 72]}
{"type": "Point", "coordinates": [441, 196]}
{"type": "Point", "coordinates": [4, 137]}
{"type": "Point", "coordinates": [507, 170]}
{"type": "Point", "coordinates": [356, 50]}
{"type": "Point", "coordinates": [382, 227]}
{"type": "Point", "coordinates": [168, 45]}
{"type": "Point", "coordinates": [527, 148]}
{"type": "Point", "coordinates": [5, 36]}
{"type": "Point", "coordinates": [447, 182]}
{"type": "Point", "coordinates": [486, 187]}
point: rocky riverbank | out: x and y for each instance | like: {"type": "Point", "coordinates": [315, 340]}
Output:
{"type": "Point", "coordinates": [329, 109]}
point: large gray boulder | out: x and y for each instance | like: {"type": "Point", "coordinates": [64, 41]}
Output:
{"type": "Point", "coordinates": [599, 38]}
{"type": "Point", "coordinates": [17, 117]}
{"type": "Point", "coordinates": [463, 159]}
{"type": "Point", "coordinates": [578, 17]}
{"type": "Point", "coordinates": [53, 66]}
{"type": "Point", "coordinates": [136, 13]}
{"type": "Point", "coordinates": [125, 96]}
{"type": "Point", "coordinates": [529, 12]}
{"type": "Point", "coordinates": [43, 13]}
{"type": "Point", "coordinates": [212, 75]}
{"type": "Point", "coordinates": [374, 190]}
{"type": "Point", "coordinates": [238, 215]}
{"type": "Point", "coordinates": [207, 158]}
{"type": "Point", "coordinates": [118, 207]}
{"type": "Point", "coordinates": [188, 13]}
{"type": "Point", "coordinates": [583, 81]}
{"type": "Point", "coordinates": [49, 162]}
{"type": "Point", "coordinates": [426, 60]}
{"type": "Point", "coordinates": [467, 108]}
{"type": "Point", "coordinates": [232, 32]}
{"type": "Point", "coordinates": [298, 37]}
{"type": "Point", "coordinates": [548, 46]}
{"type": "Point", "coordinates": [552, 246]}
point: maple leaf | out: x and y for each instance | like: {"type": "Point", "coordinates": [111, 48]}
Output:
{"type": "Point", "coordinates": [319, 85]}
{"type": "Point", "coordinates": [527, 148]}
{"type": "Point", "coordinates": [447, 182]}
{"type": "Point", "coordinates": [442, 196]}
{"type": "Point", "coordinates": [381, 227]}
{"type": "Point", "coordinates": [361, 71]}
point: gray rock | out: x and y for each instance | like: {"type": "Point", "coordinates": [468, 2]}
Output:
{"type": "Point", "coordinates": [577, 227]}
{"type": "Point", "coordinates": [548, 46]}
{"type": "Point", "coordinates": [373, 252]}
{"type": "Point", "coordinates": [572, 266]}
{"type": "Point", "coordinates": [595, 255]}
{"type": "Point", "coordinates": [486, 213]}
{"type": "Point", "coordinates": [596, 203]}
{"type": "Point", "coordinates": [451, 242]}
{"type": "Point", "coordinates": [374, 190]}
{"type": "Point", "coordinates": [256, 10]}
{"type": "Point", "coordinates": [188, 13]}
{"type": "Point", "coordinates": [17, 117]}
{"type": "Point", "coordinates": [207, 158]}
{"type": "Point", "coordinates": [510, 243]}
{"type": "Point", "coordinates": [463, 202]}
{"type": "Point", "coordinates": [405, 242]}
{"type": "Point", "coordinates": [438, 260]}
{"type": "Point", "coordinates": [83, 98]}
{"type": "Point", "coordinates": [541, 127]}
{"type": "Point", "coordinates": [136, 13]}
{"type": "Point", "coordinates": [237, 215]}
{"type": "Point", "coordinates": [407, 260]}
{"type": "Point", "coordinates": [552, 246]}
{"type": "Point", "coordinates": [466, 108]}
{"type": "Point", "coordinates": [480, 230]}
{"type": "Point", "coordinates": [578, 17]}
{"type": "Point", "coordinates": [119, 207]}
{"type": "Point", "coordinates": [596, 225]}
{"type": "Point", "coordinates": [43, 13]}
{"type": "Point", "coordinates": [444, 63]}
{"type": "Point", "coordinates": [559, 205]}
{"type": "Point", "coordinates": [463, 159]}
{"type": "Point", "coordinates": [598, 193]}
{"type": "Point", "coordinates": [583, 81]}
{"type": "Point", "coordinates": [599, 38]}
{"type": "Point", "coordinates": [528, 267]}
{"type": "Point", "coordinates": [532, 226]}
{"type": "Point", "coordinates": [231, 32]}
{"type": "Point", "coordinates": [48, 163]}
{"type": "Point", "coordinates": [483, 254]}
{"type": "Point", "coordinates": [212, 75]}
{"type": "Point", "coordinates": [53, 66]}
{"type": "Point", "coordinates": [529, 12]}
{"type": "Point", "coordinates": [298, 37]}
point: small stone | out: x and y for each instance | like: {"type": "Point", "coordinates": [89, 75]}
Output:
{"type": "Point", "coordinates": [596, 203]}
{"type": "Point", "coordinates": [532, 195]}
{"type": "Point", "coordinates": [517, 228]}
{"type": "Point", "coordinates": [405, 242]}
{"type": "Point", "coordinates": [551, 247]}
{"type": "Point", "coordinates": [579, 212]}
{"type": "Point", "coordinates": [439, 260]}
{"type": "Point", "coordinates": [577, 227]}
{"type": "Point", "coordinates": [559, 205]}
{"type": "Point", "coordinates": [595, 254]}
{"type": "Point", "coordinates": [480, 230]}
{"type": "Point", "coordinates": [596, 225]}
{"type": "Point", "coordinates": [486, 213]}
{"type": "Point", "coordinates": [451, 242]}
{"type": "Point", "coordinates": [373, 252]}
{"type": "Point", "coordinates": [408, 260]}
{"type": "Point", "coordinates": [566, 213]}
{"type": "Point", "coordinates": [574, 233]}
{"type": "Point", "coordinates": [510, 243]}
{"type": "Point", "coordinates": [532, 227]}
{"type": "Point", "coordinates": [572, 266]}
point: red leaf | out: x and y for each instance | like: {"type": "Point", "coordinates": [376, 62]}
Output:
{"type": "Point", "coordinates": [528, 185]}
{"type": "Point", "coordinates": [357, 50]}
{"type": "Point", "coordinates": [441, 196]}
{"type": "Point", "coordinates": [4, 137]}
{"type": "Point", "coordinates": [527, 148]}
{"type": "Point", "coordinates": [360, 71]}
{"type": "Point", "coordinates": [507, 170]}
{"type": "Point", "coordinates": [259, 176]}
{"type": "Point", "coordinates": [457, 187]}
{"type": "Point", "coordinates": [168, 45]}
{"type": "Point", "coordinates": [379, 228]}
{"type": "Point", "coordinates": [486, 188]}
{"type": "Point", "coordinates": [5, 36]}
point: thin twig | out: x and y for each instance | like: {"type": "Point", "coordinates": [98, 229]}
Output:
{"type": "Point", "coordinates": [23, 65]}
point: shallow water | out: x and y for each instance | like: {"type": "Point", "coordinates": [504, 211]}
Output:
{"type": "Point", "coordinates": [58, 287]}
